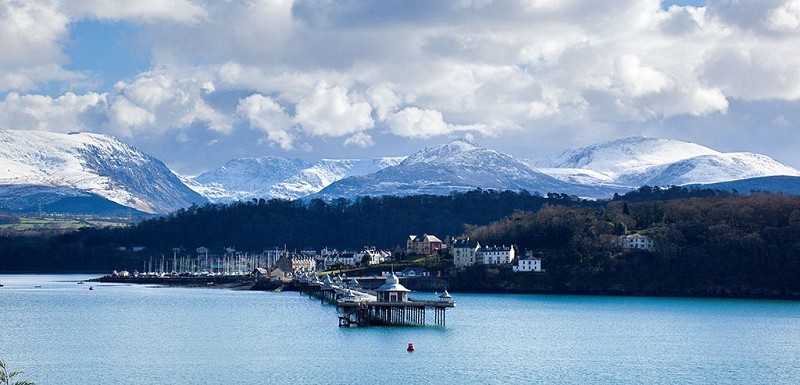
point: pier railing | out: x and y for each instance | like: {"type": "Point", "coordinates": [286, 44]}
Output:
{"type": "Point", "coordinates": [361, 308]}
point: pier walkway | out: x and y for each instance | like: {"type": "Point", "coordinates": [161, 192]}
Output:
{"type": "Point", "coordinates": [387, 305]}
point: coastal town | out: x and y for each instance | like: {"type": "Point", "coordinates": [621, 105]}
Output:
{"type": "Point", "coordinates": [365, 283]}
{"type": "Point", "coordinates": [415, 259]}
{"type": "Point", "coordinates": [280, 262]}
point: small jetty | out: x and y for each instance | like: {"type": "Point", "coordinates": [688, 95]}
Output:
{"type": "Point", "coordinates": [387, 305]}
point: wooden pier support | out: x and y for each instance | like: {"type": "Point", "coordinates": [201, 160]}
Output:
{"type": "Point", "coordinates": [412, 313]}
{"type": "Point", "coordinates": [366, 312]}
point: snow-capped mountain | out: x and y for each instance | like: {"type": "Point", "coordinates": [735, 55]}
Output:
{"type": "Point", "coordinates": [321, 174]}
{"type": "Point", "coordinates": [82, 171]}
{"type": "Point", "coordinates": [244, 178]}
{"type": "Point", "coordinates": [638, 161]}
{"type": "Point", "coordinates": [622, 156]}
{"type": "Point", "coordinates": [459, 165]}
{"type": "Point", "coordinates": [274, 177]}
{"type": "Point", "coordinates": [73, 165]}
{"type": "Point", "coordinates": [710, 169]}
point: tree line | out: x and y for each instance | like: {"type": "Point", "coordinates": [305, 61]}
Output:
{"type": "Point", "coordinates": [717, 245]}
{"type": "Point", "coordinates": [707, 243]}
{"type": "Point", "coordinates": [260, 224]}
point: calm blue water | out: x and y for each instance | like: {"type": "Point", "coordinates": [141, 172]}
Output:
{"type": "Point", "coordinates": [62, 333]}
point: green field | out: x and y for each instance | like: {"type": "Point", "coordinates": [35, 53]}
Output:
{"type": "Point", "coordinates": [40, 224]}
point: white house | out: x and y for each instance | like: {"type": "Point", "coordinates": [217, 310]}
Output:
{"type": "Point", "coordinates": [465, 252]}
{"type": "Point", "coordinates": [346, 258]}
{"type": "Point", "coordinates": [530, 263]}
{"type": "Point", "coordinates": [637, 241]}
{"type": "Point", "coordinates": [495, 255]}
{"type": "Point", "coordinates": [376, 256]}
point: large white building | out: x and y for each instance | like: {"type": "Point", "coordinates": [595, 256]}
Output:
{"type": "Point", "coordinates": [495, 255]}
{"type": "Point", "coordinates": [637, 241]}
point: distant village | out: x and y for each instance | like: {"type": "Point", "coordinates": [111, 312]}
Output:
{"type": "Point", "coordinates": [279, 263]}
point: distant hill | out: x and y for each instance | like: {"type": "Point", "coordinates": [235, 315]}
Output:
{"type": "Point", "coordinates": [61, 200]}
{"type": "Point", "coordinates": [773, 184]}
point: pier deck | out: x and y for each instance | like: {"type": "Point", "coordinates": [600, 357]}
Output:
{"type": "Point", "coordinates": [361, 307]}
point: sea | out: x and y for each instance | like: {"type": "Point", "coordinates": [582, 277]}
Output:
{"type": "Point", "coordinates": [59, 332]}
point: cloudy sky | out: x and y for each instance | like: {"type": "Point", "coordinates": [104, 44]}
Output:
{"type": "Point", "coordinates": [198, 82]}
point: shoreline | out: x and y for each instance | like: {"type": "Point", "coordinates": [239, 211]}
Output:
{"type": "Point", "coordinates": [247, 283]}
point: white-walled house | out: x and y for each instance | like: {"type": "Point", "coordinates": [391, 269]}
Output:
{"type": "Point", "coordinates": [496, 255]}
{"type": "Point", "coordinates": [465, 252]}
{"type": "Point", "coordinates": [346, 258]}
{"type": "Point", "coordinates": [637, 241]}
{"type": "Point", "coordinates": [375, 256]}
{"type": "Point", "coordinates": [530, 263]}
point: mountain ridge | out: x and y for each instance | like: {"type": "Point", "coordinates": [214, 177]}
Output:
{"type": "Point", "coordinates": [83, 167]}
{"type": "Point", "coordinates": [93, 163]}
{"type": "Point", "coordinates": [458, 165]}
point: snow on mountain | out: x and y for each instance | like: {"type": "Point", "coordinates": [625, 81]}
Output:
{"type": "Point", "coordinates": [710, 169]}
{"type": "Point", "coordinates": [459, 150]}
{"type": "Point", "coordinates": [459, 165]}
{"type": "Point", "coordinates": [97, 164]}
{"type": "Point", "coordinates": [83, 170]}
{"type": "Point", "coordinates": [579, 176]}
{"type": "Point", "coordinates": [621, 156]}
{"type": "Point", "coordinates": [321, 174]}
{"type": "Point", "coordinates": [638, 161]}
{"type": "Point", "coordinates": [244, 178]}
{"type": "Point", "coordinates": [275, 177]}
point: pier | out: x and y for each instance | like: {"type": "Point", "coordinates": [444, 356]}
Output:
{"type": "Point", "coordinates": [387, 305]}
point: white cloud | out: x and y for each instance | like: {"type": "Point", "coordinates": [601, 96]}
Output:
{"type": "Point", "coordinates": [181, 11]}
{"type": "Point", "coordinates": [384, 99]}
{"type": "Point", "coordinates": [360, 139]}
{"type": "Point", "coordinates": [157, 102]}
{"type": "Point", "coordinates": [330, 111]}
{"type": "Point", "coordinates": [39, 112]}
{"type": "Point", "coordinates": [636, 79]}
{"type": "Point", "coordinates": [268, 116]}
{"type": "Point", "coordinates": [320, 70]}
{"type": "Point", "coordinates": [31, 37]}
{"type": "Point", "coordinates": [785, 18]}
{"type": "Point", "coordinates": [413, 122]}
{"type": "Point", "coordinates": [124, 115]}
{"type": "Point", "coordinates": [754, 70]}
{"type": "Point", "coordinates": [31, 32]}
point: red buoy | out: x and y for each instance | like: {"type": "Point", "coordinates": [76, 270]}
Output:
{"type": "Point", "coordinates": [410, 347]}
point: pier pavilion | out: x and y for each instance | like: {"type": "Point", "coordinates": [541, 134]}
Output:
{"type": "Point", "coordinates": [388, 305]}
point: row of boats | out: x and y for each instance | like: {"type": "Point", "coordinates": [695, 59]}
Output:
{"type": "Point", "coordinates": [175, 274]}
